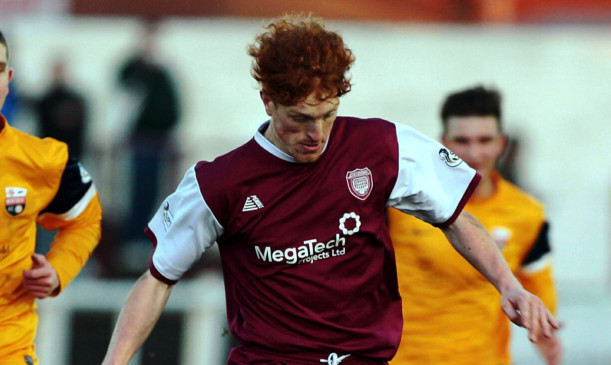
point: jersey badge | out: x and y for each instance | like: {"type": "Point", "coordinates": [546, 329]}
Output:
{"type": "Point", "coordinates": [15, 200]}
{"type": "Point", "coordinates": [501, 236]}
{"type": "Point", "coordinates": [449, 157]}
{"type": "Point", "coordinates": [252, 203]}
{"type": "Point", "coordinates": [360, 182]}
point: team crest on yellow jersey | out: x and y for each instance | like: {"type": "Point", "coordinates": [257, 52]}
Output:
{"type": "Point", "coordinates": [360, 182]}
{"type": "Point", "coordinates": [501, 236]}
{"type": "Point", "coordinates": [15, 200]}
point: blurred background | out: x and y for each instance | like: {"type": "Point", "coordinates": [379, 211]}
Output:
{"type": "Point", "coordinates": [96, 74]}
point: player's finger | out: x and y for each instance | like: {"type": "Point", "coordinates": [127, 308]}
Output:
{"type": "Point", "coordinates": [34, 274]}
{"type": "Point", "coordinates": [548, 323]}
{"type": "Point", "coordinates": [552, 322]}
{"type": "Point", "coordinates": [36, 289]}
{"type": "Point", "coordinates": [38, 259]}
{"type": "Point", "coordinates": [37, 283]}
{"type": "Point", "coordinates": [511, 312]}
{"type": "Point", "coordinates": [536, 318]}
{"type": "Point", "coordinates": [39, 294]}
{"type": "Point", "coordinates": [37, 286]}
{"type": "Point", "coordinates": [556, 323]}
{"type": "Point", "coordinates": [33, 290]}
{"type": "Point", "coordinates": [525, 312]}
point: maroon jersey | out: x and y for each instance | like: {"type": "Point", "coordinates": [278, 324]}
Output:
{"type": "Point", "coordinates": [308, 264]}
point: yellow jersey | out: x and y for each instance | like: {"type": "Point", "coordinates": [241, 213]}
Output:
{"type": "Point", "coordinates": [452, 314]}
{"type": "Point", "coordinates": [39, 183]}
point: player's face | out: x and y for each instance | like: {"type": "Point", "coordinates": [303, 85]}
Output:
{"type": "Point", "coordinates": [477, 140]}
{"type": "Point", "coordinates": [6, 74]}
{"type": "Point", "coordinates": [301, 130]}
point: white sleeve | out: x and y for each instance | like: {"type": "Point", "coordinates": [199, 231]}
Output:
{"type": "Point", "coordinates": [432, 182]}
{"type": "Point", "coordinates": [183, 228]}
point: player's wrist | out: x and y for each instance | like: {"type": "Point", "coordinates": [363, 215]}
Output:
{"type": "Point", "coordinates": [509, 284]}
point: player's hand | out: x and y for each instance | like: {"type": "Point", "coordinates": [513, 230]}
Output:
{"type": "Point", "coordinates": [41, 280]}
{"type": "Point", "coordinates": [551, 349]}
{"type": "Point", "coordinates": [528, 311]}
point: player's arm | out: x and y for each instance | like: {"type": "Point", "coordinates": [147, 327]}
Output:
{"type": "Point", "coordinates": [181, 230]}
{"type": "Point", "coordinates": [536, 276]}
{"type": "Point", "coordinates": [144, 305]}
{"type": "Point", "coordinates": [474, 243]}
{"type": "Point", "coordinates": [76, 213]}
{"type": "Point", "coordinates": [541, 284]}
{"type": "Point", "coordinates": [535, 272]}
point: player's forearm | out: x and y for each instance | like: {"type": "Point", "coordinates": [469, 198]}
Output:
{"type": "Point", "coordinates": [137, 319]}
{"type": "Point", "coordinates": [474, 243]}
{"type": "Point", "coordinates": [74, 242]}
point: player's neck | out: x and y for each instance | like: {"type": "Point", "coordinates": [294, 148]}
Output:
{"type": "Point", "coordinates": [485, 189]}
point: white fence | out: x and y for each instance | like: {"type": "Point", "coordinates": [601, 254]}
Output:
{"type": "Point", "coordinates": [201, 300]}
{"type": "Point", "coordinates": [584, 311]}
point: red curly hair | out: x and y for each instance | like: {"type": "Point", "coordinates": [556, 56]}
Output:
{"type": "Point", "coordinates": [296, 56]}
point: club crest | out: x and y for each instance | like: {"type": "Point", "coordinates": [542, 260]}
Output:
{"type": "Point", "coordinates": [449, 157]}
{"type": "Point", "coordinates": [360, 182]}
{"type": "Point", "coordinates": [15, 200]}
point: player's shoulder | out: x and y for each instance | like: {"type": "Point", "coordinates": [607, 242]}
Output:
{"type": "Point", "coordinates": [361, 131]}
{"type": "Point", "coordinates": [241, 155]}
{"type": "Point", "coordinates": [358, 123]}
{"type": "Point", "coordinates": [44, 152]}
{"type": "Point", "coordinates": [520, 197]}
{"type": "Point", "coordinates": [231, 167]}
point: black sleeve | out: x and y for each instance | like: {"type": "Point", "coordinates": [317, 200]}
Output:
{"type": "Point", "coordinates": [75, 182]}
{"type": "Point", "coordinates": [541, 246]}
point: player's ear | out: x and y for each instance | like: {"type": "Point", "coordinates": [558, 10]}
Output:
{"type": "Point", "coordinates": [503, 141]}
{"type": "Point", "coordinates": [267, 101]}
{"type": "Point", "coordinates": [443, 139]}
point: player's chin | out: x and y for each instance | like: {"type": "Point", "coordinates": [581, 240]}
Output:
{"type": "Point", "coordinates": [309, 159]}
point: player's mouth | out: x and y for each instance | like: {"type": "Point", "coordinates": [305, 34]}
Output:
{"type": "Point", "coordinates": [310, 148]}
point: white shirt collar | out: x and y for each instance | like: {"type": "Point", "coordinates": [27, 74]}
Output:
{"type": "Point", "coordinates": [267, 145]}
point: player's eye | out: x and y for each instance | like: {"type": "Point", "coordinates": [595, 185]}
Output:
{"type": "Point", "coordinates": [299, 118]}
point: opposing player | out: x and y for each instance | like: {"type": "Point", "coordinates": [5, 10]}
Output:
{"type": "Point", "coordinates": [299, 215]}
{"type": "Point", "coordinates": [40, 182]}
{"type": "Point", "coordinates": [451, 313]}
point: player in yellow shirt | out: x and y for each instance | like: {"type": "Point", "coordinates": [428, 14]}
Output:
{"type": "Point", "coordinates": [451, 313]}
{"type": "Point", "coordinates": [39, 183]}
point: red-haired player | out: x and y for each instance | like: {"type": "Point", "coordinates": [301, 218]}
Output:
{"type": "Point", "coordinates": [298, 213]}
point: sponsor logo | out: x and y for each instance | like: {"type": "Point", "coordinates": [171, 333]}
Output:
{"type": "Point", "coordinates": [312, 250]}
{"type": "Point", "coordinates": [167, 216]}
{"type": "Point", "coordinates": [449, 157]}
{"type": "Point", "coordinates": [347, 226]}
{"type": "Point", "coordinates": [334, 358]}
{"type": "Point", "coordinates": [360, 182]}
{"type": "Point", "coordinates": [252, 203]}
{"type": "Point", "coordinates": [15, 200]}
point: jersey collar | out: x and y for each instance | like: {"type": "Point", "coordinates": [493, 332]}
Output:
{"type": "Point", "coordinates": [267, 145]}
